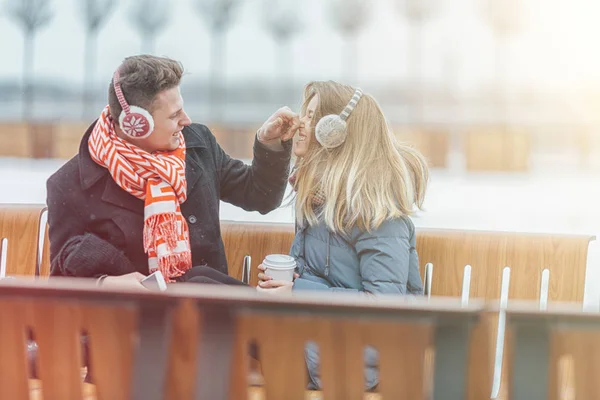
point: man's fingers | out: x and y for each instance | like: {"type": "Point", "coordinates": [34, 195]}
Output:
{"type": "Point", "coordinates": [292, 130]}
{"type": "Point", "coordinates": [277, 122]}
{"type": "Point", "coordinates": [286, 113]}
{"type": "Point", "coordinates": [272, 127]}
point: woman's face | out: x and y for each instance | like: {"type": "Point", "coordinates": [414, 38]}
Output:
{"type": "Point", "coordinates": [305, 133]}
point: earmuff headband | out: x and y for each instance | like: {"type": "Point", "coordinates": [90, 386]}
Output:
{"type": "Point", "coordinates": [351, 105]}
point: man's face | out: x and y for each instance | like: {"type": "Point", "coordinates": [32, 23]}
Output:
{"type": "Point", "coordinates": [169, 119]}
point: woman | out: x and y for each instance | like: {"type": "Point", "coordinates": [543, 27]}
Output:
{"type": "Point", "coordinates": [355, 189]}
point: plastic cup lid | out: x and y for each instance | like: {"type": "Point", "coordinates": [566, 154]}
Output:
{"type": "Point", "coordinates": [279, 261]}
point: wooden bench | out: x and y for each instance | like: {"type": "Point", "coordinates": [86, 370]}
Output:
{"type": "Point", "coordinates": [497, 149]}
{"type": "Point", "coordinates": [506, 266]}
{"type": "Point", "coordinates": [20, 228]}
{"type": "Point", "coordinates": [543, 267]}
{"type": "Point", "coordinates": [250, 242]}
{"type": "Point", "coordinates": [449, 251]}
{"type": "Point", "coordinates": [539, 338]}
{"type": "Point", "coordinates": [15, 139]}
{"type": "Point", "coordinates": [129, 337]}
{"type": "Point", "coordinates": [561, 259]}
{"type": "Point", "coordinates": [433, 143]}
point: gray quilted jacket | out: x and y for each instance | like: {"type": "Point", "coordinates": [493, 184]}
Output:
{"type": "Point", "coordinates": [383, 261]}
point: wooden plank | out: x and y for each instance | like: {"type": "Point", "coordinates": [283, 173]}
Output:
{"type": "Point", "coordinates": [215, 352]}
{"type": "Point", "coordinates": [150, 360]}
{"type": "Point", "coordinates": [15, 140]}
{"type": "Point", "coordinates": [258, 393]}
{"type": "Point", "coordinates": [35, 391]}
{"type": "Point", "coordinates": [562, 366]}
{"type": "Point", "coordinates": [329, 338]}
{"type": "Point", "coordinates": [572, 354]}
{"type": "Point", "coordinates": [281, 343]}
{"type": "Point", "coordinates": [341, 344]}
{"type": "Point", "coordinates": [110, 339]}
{"type": "Point", "coordinates": [13, 353]}
{"type": "Point", "coordinates": [527, 255]}
{"type": "Point", "coordinates": [401, 350]}
{"type": "Point", "coordinates": [19, 224]}
{"type": "Point", "coordinates": [57, 331]}
{"type": "Point", "coordinates": [433, 143]}
{"type": "Point", "coordinates": [482, 351]}
{"type": "Point", "coordinates": [585, 348]}
{"type": "Point", "coordinates": [182, 354]}
{"type": "Point", "coordinates": [68, 138]}
{"type": "Point", "coordinates": [354, 343]}
{"type": "Point", "coordinates": [241, 359]}
{"type": "Point", "coordinates": [488, 253]}
{"type": "Point", "coordinates": [256, 240]}
{"type": "Point", "coordinates": [316, 304]}
{"type": "Point", "coordinates": [54, 320]}
{"type": "Point", "coordinates": [497, 150]}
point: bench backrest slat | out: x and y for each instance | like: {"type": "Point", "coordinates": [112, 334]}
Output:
{"type": "Point", "coordinates": [20, 225]}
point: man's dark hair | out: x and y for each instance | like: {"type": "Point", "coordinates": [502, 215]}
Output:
{"type": "Point", "coordinates": [142, 78]}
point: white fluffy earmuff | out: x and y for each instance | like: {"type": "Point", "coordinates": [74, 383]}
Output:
{"type": "Point", "coordinates": [137, 123]}
{"type": "Point", "coordinates": [331, 130]}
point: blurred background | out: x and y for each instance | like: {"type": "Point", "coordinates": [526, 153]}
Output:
{"type": "Point", "coordinates": [501, 96]}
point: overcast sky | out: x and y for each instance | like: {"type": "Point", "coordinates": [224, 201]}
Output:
{"type": "Point", "coordinates": [556, 48]}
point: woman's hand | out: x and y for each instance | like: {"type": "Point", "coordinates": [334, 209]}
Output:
{"type": "Point", "coordinates": [266, 284]}
{"type": "Point", "coordinates": [262, 277]}
{"type": "Point", "coordinates": [276, 287]}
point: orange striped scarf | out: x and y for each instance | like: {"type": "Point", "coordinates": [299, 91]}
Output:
{"type": "Point", "coordinates": [159, 180]}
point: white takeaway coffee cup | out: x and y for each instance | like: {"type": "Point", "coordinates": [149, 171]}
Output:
{"type": "Point", "coordinates": [280, 267]}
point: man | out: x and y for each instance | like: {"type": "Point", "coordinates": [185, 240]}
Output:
{"type": "Point", "coordinates": [143, 192]}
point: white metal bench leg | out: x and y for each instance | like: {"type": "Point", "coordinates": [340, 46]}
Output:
{"type": "Point", "coordinates": [3, 251]}
{"type": "Point", "coordinates": [591, 293]}
{"type": "Point", "coordinates": [497, 377]}
{"type": "Point", "coordinates": [427, 279]}
{"type": "Point", "coordinates": [466, 286]}
{"type": "Point", "coordinates": [246, 268]}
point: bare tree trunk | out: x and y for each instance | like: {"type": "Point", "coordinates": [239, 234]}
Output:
{"type": "Point", "coordinates": [148, 43]}
{"type": "Point", "coordinates": [501, 71]}
{"type": "Point", "coordinates": [91, 42]}
{"type": "Point", "coordinates": [350, 60]}
{"type": "Point", "coordinates": [415, 45]}
{"type": "Point", "coordinates": [285, 65]}
{"type": "Point", "coordinates": [217, 63]}
{"type": "Point", "coordinates": [27, 75]}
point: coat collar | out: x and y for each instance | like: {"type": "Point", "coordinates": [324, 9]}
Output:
{"type": "Point", "coordinates": [90, 172]}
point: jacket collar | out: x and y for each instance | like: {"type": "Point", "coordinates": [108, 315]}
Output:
{"type": "Point", "coordinates": [194, 139]}
{"type": "Point", "coordinates": [90, 172]}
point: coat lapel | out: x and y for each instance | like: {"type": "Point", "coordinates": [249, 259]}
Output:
{"type": "Point", "coordinates": [113, 194]}
{"type": "Point", "coordinates": [196, 145]}
{"type": "Point", "coordinates": [193, 172]}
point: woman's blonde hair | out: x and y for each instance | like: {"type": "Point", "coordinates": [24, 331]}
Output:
{"type": "Point", "coordinates": [367, 180]}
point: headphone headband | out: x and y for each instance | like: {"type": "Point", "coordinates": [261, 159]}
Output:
{"type": "Point", "coordinates": [119, 92]}
{"type": "Point", "coordinates": [351, 105]}
{"type": "Point", "coordinates": [134, 121]}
